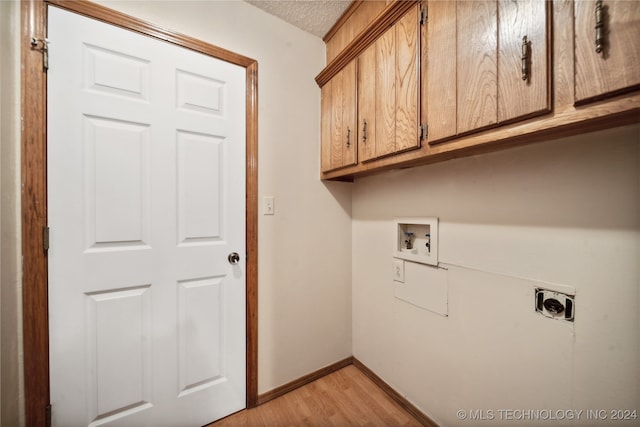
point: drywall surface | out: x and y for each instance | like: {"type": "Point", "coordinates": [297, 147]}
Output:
{"type": "Point", "coordinates": [11, 390]}
{"type": "Point", "coordinates": [564, 215]}
{"type": "Point", "coordinates": [304, 270]}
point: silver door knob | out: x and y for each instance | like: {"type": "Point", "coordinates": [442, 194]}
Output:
{"type": "Point", "coordinates": [233, 258]}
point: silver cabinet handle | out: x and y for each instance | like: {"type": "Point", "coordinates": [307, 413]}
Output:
{"type": "Point", "coordinates": [364, 131]}
{"type": "Point", "coordinates": [525, 59]}
{"type": "Point", "coordinates": [599, 27]}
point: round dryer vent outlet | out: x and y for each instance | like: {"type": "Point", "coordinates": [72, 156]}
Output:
{"type": "Point", "coordinates": [555, 305]}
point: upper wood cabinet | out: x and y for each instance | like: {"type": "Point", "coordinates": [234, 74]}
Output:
{"type": "Point", "coordinates": [367, 93]}
{"type": "Point", "coordinates": [338, 120]}
{"type": "Point", "coordinates": [388, 91]}
{"type": "Point", "coordinates": [471, 76]}
{"type": "Point", "coordinates": [439, 66]}
{"type": "Point", "coordinates": [477, 62]}
{"type": "Point", "coordinates": [491, 67]}
{"type": "Point", "coordinates": [607, 48]}
{"type": "Point", "coordinates": [524, 88]}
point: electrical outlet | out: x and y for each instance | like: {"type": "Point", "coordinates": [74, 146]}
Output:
{"type": "Point", "coordinates": [268, 205]}
{"type": "Point", "coordinates": [398, 270]}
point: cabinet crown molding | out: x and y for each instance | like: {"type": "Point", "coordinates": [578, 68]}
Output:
{"type": "Point", "coordinates": [392, 13]}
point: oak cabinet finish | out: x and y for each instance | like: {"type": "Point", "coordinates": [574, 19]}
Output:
{"type": "Point", "coordinates": [338, 123]}
{"type": "Point", "coordinates": [492, 74]}
{"type": "Point", "coordinates": [388, 91]}
{"type": "Point", "coordinates": [616, 68]}
{"type": "Point", "coordinates": [367, 77]}
{"type": "Point", "coordinates": [524, 88]}
{"type": "Point", "coordinates": [354, 20]}
{"type": "Point", "coordinates": [407, 32]}
{"type": "Point", "coordinates": [385, 94]}
{"type": "Point", "coordinates": [439, 65]}
{"type": "Point", "coordinates": [477, 65]}
{"type": "Point", "coordinates": [488, 69]}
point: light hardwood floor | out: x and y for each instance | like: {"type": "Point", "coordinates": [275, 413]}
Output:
{"type": "Point", "coordinates": [344, 398]}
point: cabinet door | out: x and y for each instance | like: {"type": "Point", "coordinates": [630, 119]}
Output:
{"type": "Point", "coordinates": [477, 57]}
{"type": "Point", "coordinates": [385, 94]}
{"type": "Point", "coordinates": [367, 104]}
{"type": "Point", "coordinates": [388, 91]}
{"type": "Point", "coordinates": [349, 105]}
{"type": "Point", "coordinates": [616, 68]}
{"type": "Point", "coordinates": [338, 127]}
{"type": "Point", "coordinates": [523, 66]}
{"type": "Point", "coordinates": [440, 64]}
{"type": "Point", "coordinates": [326, 114]}
{"type": "Point", "coordinates": [406, 35]}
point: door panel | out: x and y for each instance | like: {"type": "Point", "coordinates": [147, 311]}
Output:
{"type": "Point", "coordinates": [200, 303]}
{"type": "Point", "coordinates": [199, 162]}
{"type": "Point", "coordinates": [146, 184]}
{"type": "Point", "coordinates": [117, 145]}
{"type": "Point", "coordinates": [118, 336]}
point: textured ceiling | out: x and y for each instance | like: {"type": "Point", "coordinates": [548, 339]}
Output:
{"type": "Point", "coordinates": [314, 16]}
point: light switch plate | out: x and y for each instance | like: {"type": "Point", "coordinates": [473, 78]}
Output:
{"type": "Point", "coordinates": [268, 205]}
{"type": "Point", "coordinates": [398, 270]}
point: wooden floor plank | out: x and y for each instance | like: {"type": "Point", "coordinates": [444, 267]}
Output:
{"type": "Point", "coordinates": [344, 398]}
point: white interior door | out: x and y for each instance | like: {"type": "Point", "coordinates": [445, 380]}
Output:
{"type": "Point", "coordinates": [146, 187]}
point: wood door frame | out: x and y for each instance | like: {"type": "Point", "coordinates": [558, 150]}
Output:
{"type": "Point", "coordinates": [34, 190]}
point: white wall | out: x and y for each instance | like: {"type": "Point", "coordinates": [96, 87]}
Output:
{"type": "Point", "coordinates": [304, 274]}
{"type": "Point", "coordinates": [11, 392]}
{"type": "Point", "coordinates": [563, 213]}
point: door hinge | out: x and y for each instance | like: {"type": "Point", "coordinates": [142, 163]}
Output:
{"type": "Point", "coordinates": [424, 131]}
{"type": "Point", "coordinates": [424, 15]}
{"type": "Point", "coordinates": [47, 415]}
{"type": "Point", "coordinates": [45, 238]}
{"type": "Point", "coordinates": [43, 46]}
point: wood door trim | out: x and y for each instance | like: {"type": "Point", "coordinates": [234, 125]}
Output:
{"type": "Point", "coordinates": [119, 19]}
{"type": "Point", "coordinates": [34, 191]}
{"type": "Point", "coordinates": [35, 324]}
